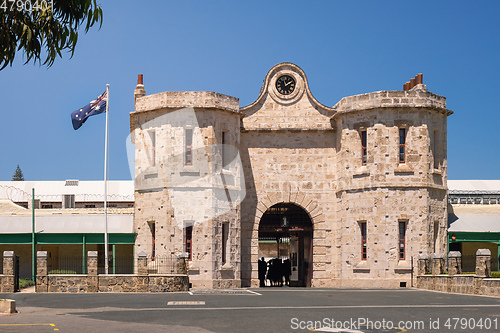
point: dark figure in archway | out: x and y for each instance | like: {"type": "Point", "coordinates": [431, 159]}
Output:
{"type": "Point", "coordinates": [287, 271]}
{"type": "Point", "coordinates": [270, 272]}
{"type": "Point", "coordinates": [262, 272]}
{"type": "Point", "coordinates": [279, 272]}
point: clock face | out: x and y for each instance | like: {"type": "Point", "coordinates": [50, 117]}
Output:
{"type": "Point", "coordinates": [285, 84]}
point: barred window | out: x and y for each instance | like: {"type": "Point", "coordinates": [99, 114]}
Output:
{"type": "Point", "coordinates": [188, 148]}
{"type": "Point", "coordinates": [189, 242]}
{"type": "Point", "coordinates": [402, 240]}
{"type": "Point", "coordinates": [402, 145]}
{"type": "Point", "coordinates": [362, 226]}
{"type": "Point", "coordinates": [363, 147]}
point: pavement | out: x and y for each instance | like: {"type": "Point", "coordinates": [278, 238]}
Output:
{"type": "Point", "coordinates": [255, 310]}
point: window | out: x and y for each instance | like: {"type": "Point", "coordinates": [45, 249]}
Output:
{"type": "Point", "coordinates": [90, 206]}
{"type": "Point", "coordinates": [434, 150]}
{"type": "Point", "coordinates": [225, 238]}
{"type": "Point", "coordinates": [152, 228]}
{"type": "Point", "coordinates": [402, 243]}
{"type": "Point", "coordinates": [188, 148]}
{"type": "Point", "coordinates": [436, 232]}
{"type": "Point", "coordinates": [363, 147]}
{"type": "Point", "coordinates": [152, 136]}
{"type": "Point", "coordinates": [224, 152]}
{"type": "Point", "coordinates": [47, 206]}
{"type": "Point", "coordinates": [402, 145]}
{"type": "Point", "coordinates": [189, 242]}
{"type": "Point", "coordinates": [69, 201]}
{"type": "Point", "coordinates": [362, 227]}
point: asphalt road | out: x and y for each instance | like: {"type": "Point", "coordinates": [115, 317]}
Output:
{"type": "Point", "coordinates": [255, 310]}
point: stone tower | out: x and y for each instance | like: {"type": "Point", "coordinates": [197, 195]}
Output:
{"type": "Point", "coordinates": [188, 183]}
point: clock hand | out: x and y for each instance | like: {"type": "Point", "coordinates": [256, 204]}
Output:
{"type": "Point", "coordinates": [288, 83]}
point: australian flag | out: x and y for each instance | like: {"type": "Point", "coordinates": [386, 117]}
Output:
{"type": "Point", "coordinates": [96, 106]}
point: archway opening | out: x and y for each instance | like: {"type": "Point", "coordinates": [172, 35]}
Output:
{"type": "Point", "coordinates": [285, 234]}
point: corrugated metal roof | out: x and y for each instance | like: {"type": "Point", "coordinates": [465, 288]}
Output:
{"type": "Point", "coordinates": [474, 185]}
{"type": "Point", "coordinates": [20, 191]}
{"type": "Point", "coordinates": [473, 222]}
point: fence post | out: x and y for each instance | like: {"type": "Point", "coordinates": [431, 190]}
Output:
{"type": "Point", "coordinates": [142, 263]}
{"type": "Point", "coordinates": [42, 278]}
{"type": "Point", "coordinates": [454, 263]}
{"type": "Point", "coordinates": [437, 263]}
{"type": "Point", "coordinates": [8, 283]}
{"type": "Point", "coordinates": [483, 262]}
{"type": "Point", "coordinates": [8, 262]}
{"type": "Point", "coordinates": [92, 262]}
{"type": "Point", "coordinates": [93, 278]}
{"type": "Point", "coordinates": [423, 264]}
{"type": "Point", "coordinates": [181, 264]}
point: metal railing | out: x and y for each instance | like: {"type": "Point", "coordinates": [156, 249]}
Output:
{"type": "Point", "coordinates": [65, 265]}
{"type": "Point", "coordinates": [162, 264]}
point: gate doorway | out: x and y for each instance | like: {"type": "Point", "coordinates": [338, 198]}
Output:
{"type": "Point", "coordinates": [285, 232]}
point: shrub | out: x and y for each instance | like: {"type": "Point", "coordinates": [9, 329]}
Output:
{"type": "Point", "coordinates": [62, 271]}
{"type": "Point", "coordinates": [24, 283]}
{"type": "Point", "coordinates": [495, 274]}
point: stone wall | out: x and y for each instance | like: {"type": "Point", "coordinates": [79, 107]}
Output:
{"type": "Point", "coordinates": [476, 284]}
{"type": "Point", "coordinates": [490, 287]}
{"type": "Point", "coordinates": [87, 283]}
{"type": "Point", "coordinates": [82, 283]}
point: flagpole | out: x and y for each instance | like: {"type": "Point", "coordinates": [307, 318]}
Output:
{"type": "Point", "coordinates": [106, 261]}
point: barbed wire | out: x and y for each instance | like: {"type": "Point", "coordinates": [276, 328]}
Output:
{"type": "Point", "coordinates": [8, 192]}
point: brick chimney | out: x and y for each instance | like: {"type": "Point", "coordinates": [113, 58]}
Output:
{"type": "Point", "coordinates": [418, 79]}
{"type": "Point", "coordinates": [139, 88]}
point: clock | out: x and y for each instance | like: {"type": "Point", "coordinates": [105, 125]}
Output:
{"type": "Point", "coordinates": [285, 84]}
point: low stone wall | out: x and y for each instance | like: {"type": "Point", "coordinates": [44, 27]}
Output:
{"type": "Point", "coordinates": [91, 283]}
{"type": "Point", "coordinates": [112, 283]}
{"type": "Point", "coordinates": [6, 283]}
{"type": "Point", "coordinates": [454, 282]}
{"type": "Point", "coordinates": [441, 283]}
{"type": "Point", "coordinates": [490, 287]}
{"type": "Point", "coordinates": [461, 284]}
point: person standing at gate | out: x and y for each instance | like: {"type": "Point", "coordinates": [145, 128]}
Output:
{"type": "Point", "coordinates": [287, 271]}
{"type": "Point", "coordinates": [262, 272]}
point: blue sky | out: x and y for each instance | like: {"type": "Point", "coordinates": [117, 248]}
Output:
{"type": "Point", "coordinates": [344, 47]}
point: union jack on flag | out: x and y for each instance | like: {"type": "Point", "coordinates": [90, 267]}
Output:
{"type": "Point", "coordinates": [96, 106]}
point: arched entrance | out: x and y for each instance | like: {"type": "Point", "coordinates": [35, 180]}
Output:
{"type": "Point", "coordinates": [285, 232]}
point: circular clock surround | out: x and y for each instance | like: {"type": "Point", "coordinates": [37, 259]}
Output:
{"type": "Point", "coordinates": [285, 84]}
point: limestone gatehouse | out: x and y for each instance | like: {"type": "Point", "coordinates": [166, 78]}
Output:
{"type": "Point", "coordinates": [350, 193]}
